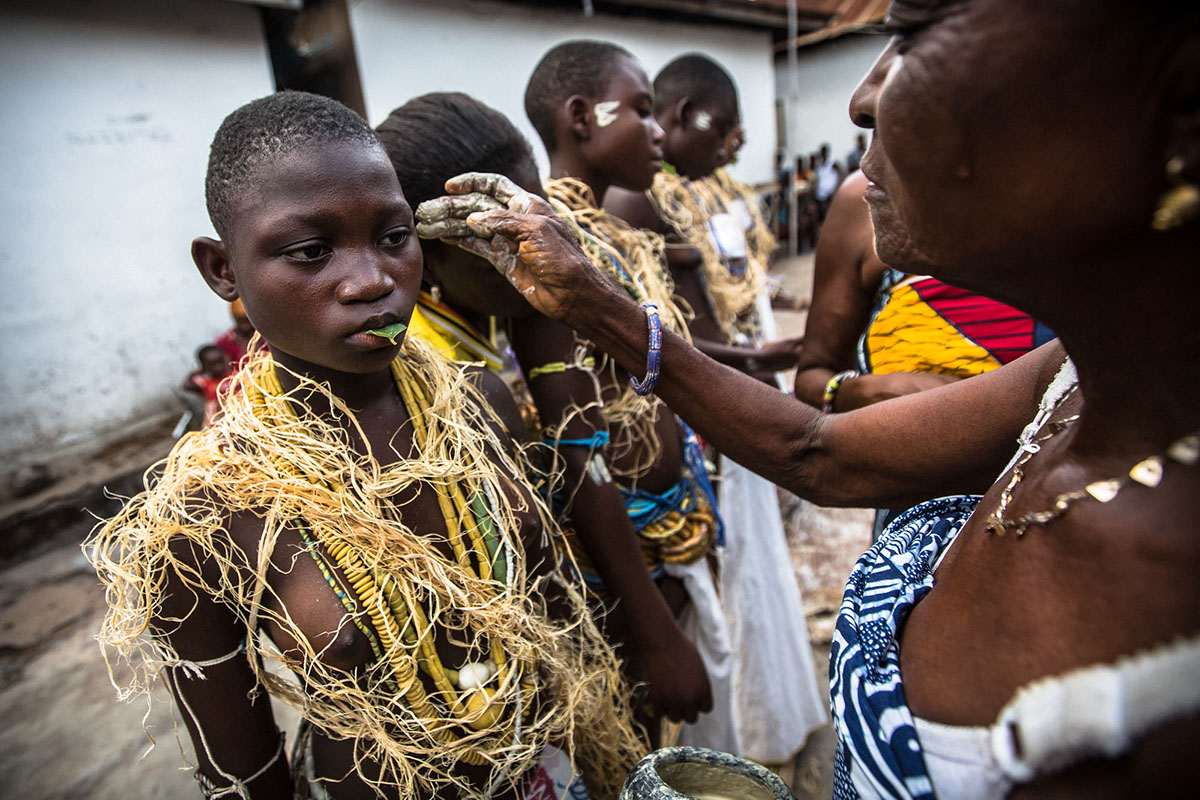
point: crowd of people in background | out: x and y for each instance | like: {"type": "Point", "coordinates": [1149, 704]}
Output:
{"type": "Point", "coordinates": [810, 183]}
{"type": "Point", "coordinates": [467, 593]}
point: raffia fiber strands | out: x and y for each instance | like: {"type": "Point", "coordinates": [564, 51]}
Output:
{"type": "Point", "coordinates": [269, 456]}
{"type": "Point", "coordinates": [634, 259]}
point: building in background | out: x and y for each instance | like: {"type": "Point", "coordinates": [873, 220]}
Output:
{"type": "Point", "coordinates": [827, 72]}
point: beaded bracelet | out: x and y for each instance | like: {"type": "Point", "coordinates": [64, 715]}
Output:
{"type": "Point", "coordinates": [835, 383]}
{"type": "Point", "coordinates": [653, 355]}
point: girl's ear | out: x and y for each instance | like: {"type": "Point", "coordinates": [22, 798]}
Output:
{"type": "Point", "coordinates": [579, 117]}
{"type": "Point", "coordinates": [681, 114]}
{"type": "Point", "coordinates": [212, 259]}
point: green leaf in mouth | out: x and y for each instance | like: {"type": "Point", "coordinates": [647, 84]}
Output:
{"type": "Point", "coordinates": [390, 332]}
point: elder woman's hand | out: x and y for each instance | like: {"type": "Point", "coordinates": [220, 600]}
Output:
{"type": "Point", "coordinates": [518, 233]}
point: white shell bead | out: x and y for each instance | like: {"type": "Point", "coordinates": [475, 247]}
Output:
{"type": "Point", "coordinates": [474, 674]}
{"type": "Point", "coordinates": [1186, 450]}
{"type": "Point", "coordinates": [1104, 491]}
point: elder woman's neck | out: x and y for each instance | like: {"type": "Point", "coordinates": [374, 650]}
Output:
{"type": "Point", "coordinates": [1135, 340]}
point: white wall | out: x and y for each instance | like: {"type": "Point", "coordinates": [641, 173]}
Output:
{"type": "Point", "coordinates": [828, 74]}
{"type": "Point", "coordinates": [409, 47]}
{"type": "Point", "coordinates": [109, 108]}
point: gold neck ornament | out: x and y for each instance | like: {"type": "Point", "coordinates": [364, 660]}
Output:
{"type": "Point", "coordinates": [1148, 472]}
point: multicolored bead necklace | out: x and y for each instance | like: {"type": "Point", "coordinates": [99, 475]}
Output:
{"type": "Point", "coordinates": [399, 630]}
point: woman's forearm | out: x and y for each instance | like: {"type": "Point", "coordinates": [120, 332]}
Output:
{"type": "Point", "coordinates": [962, 432]}
{"type": "Point", "coordinates": [947, 440]}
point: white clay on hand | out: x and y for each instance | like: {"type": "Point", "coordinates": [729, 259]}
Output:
{"type": "Point", "coordinates": [455, 207]}
{"type": "Point", "coordinates": [489, 183]}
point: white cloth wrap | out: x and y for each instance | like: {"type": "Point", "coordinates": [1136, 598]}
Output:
{"type": "Point", "coordinates": [703, 622]}
{"type": "Point", "coordinates": [728, 236]}
{"type": "Point", "coordinates": [776, 700]}
{"type": "Point", "coordinates": [1061, 720]}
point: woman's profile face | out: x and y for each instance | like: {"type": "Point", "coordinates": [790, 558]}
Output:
{"type": "Point", "coordinates": [998, 132]}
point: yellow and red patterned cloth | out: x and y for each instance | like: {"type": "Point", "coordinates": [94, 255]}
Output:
{"type": "Point", "coordinates": [920, 324]}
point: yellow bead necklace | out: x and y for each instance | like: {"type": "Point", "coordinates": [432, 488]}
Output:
{"type": "Point", "coordinates": [402, 633]}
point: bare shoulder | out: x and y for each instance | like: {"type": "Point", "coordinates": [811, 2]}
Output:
{"type": "Point", "coordinates": [633, 207]}
{"type": "Point", "coordinates": [499, 397]}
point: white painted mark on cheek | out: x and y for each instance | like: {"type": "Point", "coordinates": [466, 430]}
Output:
{"type": "Point", "coordinates": [606, 113]}
{"type": "Point", "coordinates": [703, 121]}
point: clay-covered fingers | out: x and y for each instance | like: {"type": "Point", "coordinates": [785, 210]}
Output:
{"type": "Point", "coordinates": [513, 225]}
{"type": "Point", "coordinates": [499, 252]}
{"type": "Point", "coordinates": [550, 269]}
{"type": "Point", "coordinates": [445, 217]}
{"type": "Point", "coordinates": [503, 190]}
{"type": "Point", "coordinates": [518, 232]}
{"type": "Point", "coordinates": [488, 183]}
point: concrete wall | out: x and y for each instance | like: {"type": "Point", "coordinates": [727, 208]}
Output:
{"type": "Point", "coordinates": [109, 108]}
{"type": "Point", "coordinates": [828, 74]}
{"type": "Point", "coordinates": [489, 49]}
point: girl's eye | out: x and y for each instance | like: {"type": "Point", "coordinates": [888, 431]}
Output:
{"type": "Point", "coordinates": [395, 238]}
{"type": "Point", "coordinates": [307, 252]}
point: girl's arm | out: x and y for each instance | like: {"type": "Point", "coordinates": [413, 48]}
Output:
{"type": "Point", "coordinates": [678, 682]}
{"type": "Point", "coordinates": [227, 715]}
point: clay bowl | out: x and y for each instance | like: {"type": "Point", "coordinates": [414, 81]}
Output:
{"type": "Point", "coordinates": [696, 773]}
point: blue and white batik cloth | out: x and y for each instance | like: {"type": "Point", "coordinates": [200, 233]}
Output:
{"type": "Point", "coordinates": [878, 753]}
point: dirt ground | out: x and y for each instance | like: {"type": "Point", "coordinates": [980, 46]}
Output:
{"type": "Point", "coordinates": [64, 735]}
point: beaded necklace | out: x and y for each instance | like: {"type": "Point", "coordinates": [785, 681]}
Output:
{"type": "Point", "coordinates": [399, 629]}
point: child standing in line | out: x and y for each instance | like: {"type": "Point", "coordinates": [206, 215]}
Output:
{"type": "Point", "coordinates": [457, 134]}
{"type": "Point", "coordinates": [592, 105]}
{"type": "Point", "coordinates": [355, 516]}
{"type": "Point", "coordinates": [776, 699]}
